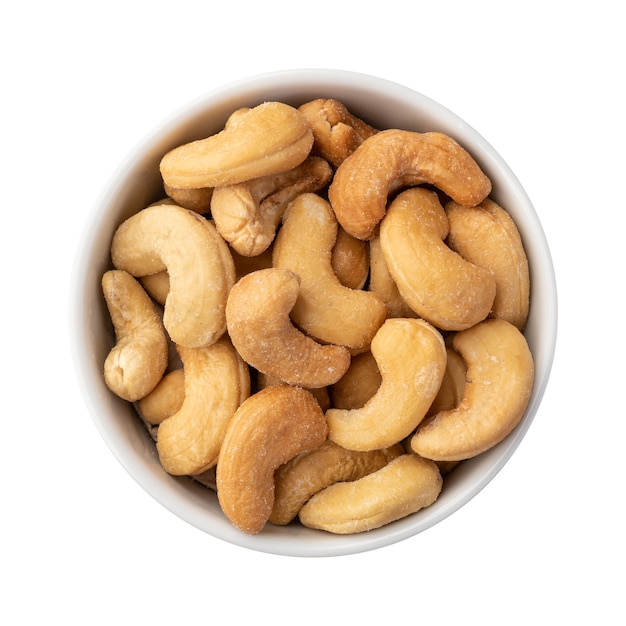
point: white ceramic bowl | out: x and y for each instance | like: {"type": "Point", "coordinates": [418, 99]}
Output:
{"type": "Point", "coordinates": [137, 183]}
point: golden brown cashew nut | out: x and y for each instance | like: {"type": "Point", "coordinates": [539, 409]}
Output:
{"type": "Point", "coordinates": [411, 357]}
{"type": "Point", "coordinates": [270, 138]}
{"type": "Point", "coordinates": [309, 472]}
{"type": "Point", "coordinates": [325, 309]}
{"type": "Point", "coordinates": [487, 236]}
{"type": "Point", "coordinates": [269, 428]}
{"type": "Point", "coordinates": [452, 386]}
{"type": "Point", "coordinates": [350, 260]}
{"type": "Point", "coordinates": [362, 183]}
{"type": "Point", "coordinates": [247, 214]}
{"type": "Point", "coordinates": [403, 486]}
{"type": "Point", "coordinates": [436, 282]}
{"type": "Point", "coordinates": [500, 374]}
{"type": "Point", "coordinates": [257, 314]}
{"type": "Point", "coordinates": [136, 363]}
{"type": "Point", "coordinates": [358, 384]}
{"type": "Point", "coordinates": [200, 268]}
{"type": "Point", "coordinates": [165, 399]}
{"type": "Point", "coordinates": [337, 132]}
{"type": "Point", "coordinates": [216, 382]}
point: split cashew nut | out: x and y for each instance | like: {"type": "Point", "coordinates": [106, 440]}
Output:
{"type": "Point", "coordinates": [403, 486]}
{"type": "Point", "coordinates": [500, 374]}
{"type": "Point", "coordinates": [411, 357]}
{"type": "Point", "coordinates": [216, 382]}
{"type": "Point", "coordinates": [269, 428]}
{"type": "Point", "coordinates": [257, 314]}
{"type": "Point", "coordinates": [436, 282]}
{"type": "Point", "coordinates": [199, 265]}
{"type": "Point", "coordinates": [139, 358]}
{"type": "Point", "coordinates": [270, 138]}
{"type": "Point", "coordinates": [393, 158]}
{"type": "Point", "coordinates": [325, 309]}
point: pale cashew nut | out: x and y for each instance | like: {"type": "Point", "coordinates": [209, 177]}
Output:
{"type": "Point", "coordinates": [257, 314]}
{"type": "Point", "coordinates": [500, 373]}
{"type": "Point", "coordinates": [325, 309]}
{"type": "Point", "coordinates": [362, 183]}
{"type": "Point", "coordinates": [336, 130]}
{"type": "Point", "coordinates": [309, 472]}
{"type": "Point", "coordinates": [247, 214]}
{"type": "Point", "coordinates": [436, 282]}
{"type": "Point", "coordinates": [411, 357]}
{"type": "Point", "coordinates": [165, 399]}
{"type": "Point", "coordinates": [269, 138]}
{"type": "Point", "coordinates": [403, 486]}
{"type": "Point", "coordinates": [199, 265]}
{"type": "Point", "coordinates": [216, 382]}
{"type": "Point", "coordinates": [487, 236]}
{"type": "Point", "coordinates": [137, 361]}
{"type": "Point", "coordinates": [269, 428]}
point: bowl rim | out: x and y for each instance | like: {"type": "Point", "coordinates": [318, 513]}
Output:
{"type": "Point", "coordinates": [84, 271]}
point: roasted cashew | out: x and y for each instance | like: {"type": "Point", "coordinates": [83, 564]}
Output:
{"type": "Point", "coordinates": [362, 183]}
{"type": "Point", "coordinates": [452, 386]}
{"type": "Point", "coordinates": [197, 199]}
{"type": "Point", "coordinates": [309, 472]}
{"type": "Point", "coordinates": [436, 282]}
{"type": "Point", "coordinates": [325, 309]}
{"type": "Point", "coordinates": [403, 486]}
{"type": "Point", "coordinates": [358, 384]}
{"type": "Point", "coordinates": [216, 382]}
{"type": "Point", "coordinates": [269, 428]}
{"type": "Point", "coordinates": [257, 314]}
{"type": "Point", "coordinates": [411, 357]}
{"type": "Point", "coordinates": [350, 260]}
{"type": "Point", "coordinates": [487, 236]}
{"type": "Point", "coordinates": [269, 138]}
{"type": "Point", "coordinates": [139, 358]}
{"type": "Point", "coordinates": [200, 268]}
{"type": "Point", "coordinates": [165, 399]}
{"type": "Point", "coordinates": [247, 214]}
{"type": "Point", "coordinates": [337, 132]}
{"type": "Point", "coordinates": [500, 374]}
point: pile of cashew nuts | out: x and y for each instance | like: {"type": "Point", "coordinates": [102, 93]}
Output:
{"type": "Point", "coordinates": [320, 319]}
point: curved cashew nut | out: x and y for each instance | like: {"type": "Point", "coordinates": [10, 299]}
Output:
{"type": "Point", "coordinates": [200, 268]}
{"type": "Point", "coordinates": [411, 357]}
{"type": "Point", "coordinates": [358, 384]}
{"type": "Point", "coordinates": [216, 382]}
{"type": "Point", "coordinates": [500, 373]}
{"type": "Point", "coordinates": [247, 214]}
{"type": "Point", "coordinates": [165, 399]}
{"type": "Point", "coordinates": [487, 236]}
{"type": "Point", "coordinates": [139, 358]}
{"type": "Point", "coordinates": [451, 391]}
{"type": "Point", "coordinates": [325, 309]}
{"type": "Point", "coordinates": [436, 282]}
{"type": "Point", "coordinates": [362, 183]}
{"type": "Point", "coordinates": [269, 428]}
{"type": "Point", "coordinates": [403, 486]}
{"type": "Point", "coordinates": [257, 314]}
{"type": "Point", "coordinates": [306, 474]}
{"type": "Point", "coordinates": [350, 260]}
{"type": "Point", "coordinates": [337, 132]}
{"type": "Point", "coordinates": [270, 138]}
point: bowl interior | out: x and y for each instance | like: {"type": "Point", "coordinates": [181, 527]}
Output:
{"type": "Point", "coordinates": [137, 182]}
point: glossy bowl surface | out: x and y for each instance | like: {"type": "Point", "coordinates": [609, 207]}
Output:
{"type": "Point", "coordinates": [136, 183]}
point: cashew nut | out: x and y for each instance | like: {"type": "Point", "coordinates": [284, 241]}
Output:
{"type": "Point", "coordinates": [500, 375]}
{"type": "Point", "coordinates": [337, 132]}
{"type": "Point", "coordinates": [436, 282]}
{"type": "Point", "coordinates": [487, 236]}
{"type": "Point", "coordinates": [325, 309]}
{"type": "Point", "coordinates": [350, 260]}
{"type": "Point", "coordinates": [247, 214]}
{"type": "Point", "coordinates": [196, 199]}
{"type": "Point", "coordinates": [269, 428]}
{"type": "Point", "coordinates": [309, 472]}
{"type": "Point", "coordinates": [269, 138]}
{"type": "Point", "coordinates": [200, 268]}
{"type": "Point", "coordinates": [403, 486]}
{"type": "Point", "coordinates": [451, 391]}
{"type": "Point", "coordinates": [165, 399]}
{"type": "Point", "coordinates": [411, 357]}
{"type": "Point", "coordinates": [358, 384]}
{"type": "Point", "coordinates": [139, 358]}
{"type": "Point", "coordinates": [257, 314]}
{"type": "Point", "coordinates": [216, 382]}
{"type": "Point", "coordinates": [362, 183]}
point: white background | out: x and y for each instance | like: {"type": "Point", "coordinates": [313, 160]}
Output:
{"type": "Point", "coordinates": [80, 542]}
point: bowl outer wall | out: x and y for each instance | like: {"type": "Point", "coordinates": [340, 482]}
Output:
{"type": "Point", "coordinates": [136, 183]}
